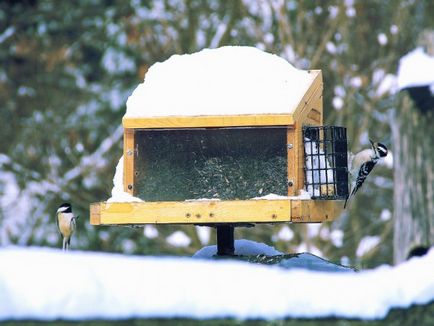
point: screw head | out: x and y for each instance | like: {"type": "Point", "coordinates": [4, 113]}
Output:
{"type": "Point", "coordinates": [290, 183]}
{"type": "Point", "coordinates": [290, 146]}
{"type": "Point", "coordinates": [130, 187]}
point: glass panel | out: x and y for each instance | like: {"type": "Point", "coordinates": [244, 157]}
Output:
{"type": "Point", "coordinates": [232, 163]}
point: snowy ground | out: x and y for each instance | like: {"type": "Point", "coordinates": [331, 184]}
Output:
{"type": "Point", "coordinates": [47, 284]}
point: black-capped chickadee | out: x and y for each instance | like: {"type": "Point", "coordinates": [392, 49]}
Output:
{"type": "Point", "coordinates": [362, 164]}
{"type": "Point", "coordinates": [66, 223]}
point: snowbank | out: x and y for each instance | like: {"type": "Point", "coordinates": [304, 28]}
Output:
{"type": "Point", "coordinates": [227, 80]}
{"type": "Point", "coordinates": [48, 284]}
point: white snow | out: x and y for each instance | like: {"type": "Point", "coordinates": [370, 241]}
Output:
{"type": "Point", "coordinates": [382, 39]}
{"type": "Point", "coordinates": [47, 284]}
{"type": "Point", "coordinates": [416, 69]}
{"type": "Point", "coordinates": [285, 234]}
{"type": "Point", "coordinates": [385, 215]}
{"type": "Point", "coordinates": [387, 85]}
{"type": "Point", "coordinates": [118, 193]}
{"type": "Point", "coordinates": [204, 234]}
{"type": "Point", "coordinates": [367, 244]}
{"type": "Point", "coordinates": [394, 29]}
{"type": "Point", "coordinates": [150, 231]}
{"type": "Point", "coordinates": [227, 80]}
{"type": "Point", "coordinates": [242, 247]}
{"type": "Point", "coordinates": [6, 34]}
{"type": "Point", "coordinates": [337, 238]}
{"type": "Point", "coordinates": [178, 239]}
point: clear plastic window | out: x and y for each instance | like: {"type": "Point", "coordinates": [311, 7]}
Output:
{"type": "Point", "coordinates": [213, 163]}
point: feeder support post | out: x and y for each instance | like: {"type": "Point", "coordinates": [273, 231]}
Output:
{"type": "Point", "coordinates": [225, 240]}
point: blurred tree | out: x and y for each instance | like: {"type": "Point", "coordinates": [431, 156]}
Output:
{"type": "Point", "coordinates": [68, 68]}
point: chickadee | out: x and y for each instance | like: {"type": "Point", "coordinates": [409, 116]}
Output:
{"type": "Point", "coordinates": [65, 220]}
{"type": "Point", "coordinates": [362, 164]}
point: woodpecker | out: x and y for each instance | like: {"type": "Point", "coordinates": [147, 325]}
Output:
{"type": "Point", "coordinates": [66, 223]}
{"type": "Point", "coordinates": [362, 164]}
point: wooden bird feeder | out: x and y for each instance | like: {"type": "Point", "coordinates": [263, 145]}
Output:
{"type": "Point", "coordinates": [172, 163]}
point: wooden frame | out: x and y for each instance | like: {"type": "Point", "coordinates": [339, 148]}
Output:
{"type": "Point", "coordinates": [309, 111]}
{"type": "Point", "coordinates": [212, 212]}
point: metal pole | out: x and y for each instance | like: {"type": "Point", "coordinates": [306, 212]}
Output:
{"type": "Point", "coordinates": [225, 240]}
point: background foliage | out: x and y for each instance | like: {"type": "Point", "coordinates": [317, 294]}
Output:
{"type": "Point", "coordinates": [68, 67]}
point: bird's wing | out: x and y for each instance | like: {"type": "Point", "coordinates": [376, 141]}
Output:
{"type": "Point", "coordinates": [364, 171]}
{"type": "Point", "coordinates": [72, 224]}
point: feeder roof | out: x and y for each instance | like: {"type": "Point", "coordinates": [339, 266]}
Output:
{"type": "Point", "coordinates": [229, 80]}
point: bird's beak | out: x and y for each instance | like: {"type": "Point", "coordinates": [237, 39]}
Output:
{"type": "Point", "coordinates": [372, 143]}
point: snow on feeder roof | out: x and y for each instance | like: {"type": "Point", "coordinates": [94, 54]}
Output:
{"type": "Point", "coordinates": [227, 80]}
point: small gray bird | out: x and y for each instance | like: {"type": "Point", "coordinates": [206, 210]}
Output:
{"type": "Point", "coordinates": [66, 223]}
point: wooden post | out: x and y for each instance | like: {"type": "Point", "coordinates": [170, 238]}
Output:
{"type": "Point", "coordinates": [225, 240]}
{"type": "Point", "coordinates": [413, 159]}
{"type": "Point", "coordinates": [293, 161]}
{"type": "Point", "coordinates": [129, 156]}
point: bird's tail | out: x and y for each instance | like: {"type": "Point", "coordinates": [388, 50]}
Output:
{"type": "Point", "coordinates": [346, 200]}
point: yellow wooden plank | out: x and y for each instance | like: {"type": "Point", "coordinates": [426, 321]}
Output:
{"type": "Point", "coordinates": [129, 156]}
{"type": "Point", "coordinates": [312, 112]}
{"type": "Point", "coordinates": [214, 212]}
{"type": "Point", "coordinates": [194, 212]}
{"type": "Point", "coordinates": [299, 147]}
{"type": "Point", "coordinates": [305, 104]}
{"type": "Point", "coordinates": [306, 211]}
{"type": "Point", "coordinates": [247, 120]}
{"type": "Point", "coordinates": [95, 214]}
{"type": "Point", "coordinates": [292, 162]}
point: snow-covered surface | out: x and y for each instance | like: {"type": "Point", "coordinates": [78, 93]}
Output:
{"type": "Point", "coordinates": [178, 239]}
{"type": "Point", "coordinates": [367, 244]}
{"type": "Point", "coordinates": [226, 80]}
{"type": "Point", "coordinates": [253, 248]}
{"type": "Point", "coordinates": [416, 69]}
{"type": "Point", "coordinates": [303, 195]}
{"type": "Point", "coordinates": [118, 193]}
{"type": "Point", "coordinates": [242, 247]}
{"type": "Point", "coordinates": [47, 284]}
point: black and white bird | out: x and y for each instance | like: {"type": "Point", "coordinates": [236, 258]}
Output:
{"type": "Point", "coordinates": [66, 223]}
{"type": "Point", "coordinates": [362, 164]}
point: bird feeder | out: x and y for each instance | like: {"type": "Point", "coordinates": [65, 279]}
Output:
{"type": "Point", "coordinates": [215, 170]}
